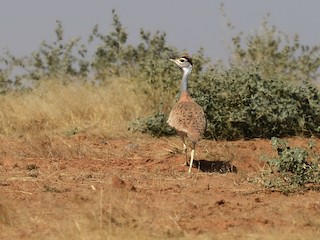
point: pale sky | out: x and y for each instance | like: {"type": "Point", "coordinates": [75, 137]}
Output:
{"type": "Point", "coordinates": [189, 24]}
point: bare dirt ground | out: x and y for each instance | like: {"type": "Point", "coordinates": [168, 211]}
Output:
{"type": "Point", "coordinates": [137, 188]}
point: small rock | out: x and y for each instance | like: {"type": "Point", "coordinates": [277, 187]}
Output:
{"type": "Point", "coordinates": [117, 182]}
{"type": "Point", "coordinates": [221, 202]}
{"type": "Point", "coordinates": [131, 187]}
{"type": "Point", "coordinates": [31, 167]}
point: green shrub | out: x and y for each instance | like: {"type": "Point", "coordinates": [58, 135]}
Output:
{"type": "Point", "coordinates": [155, 125]}
{"type": "Point", "coordinates": [292, 169]}
{"type": "Point", "coordinates": [277, 54]}
{"type": "Point", "coordinates": [240, 103]}
{"type": "Point", "coordinates": [111, 55]}
{"type": "Point", "coordinates": [58, 60]}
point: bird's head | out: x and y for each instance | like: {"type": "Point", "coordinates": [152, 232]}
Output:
{"type": "Point", "coordinates": [184, 62]}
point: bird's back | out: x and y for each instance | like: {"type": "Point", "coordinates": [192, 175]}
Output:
{"type": "Point", "coordinates": [188, 117]}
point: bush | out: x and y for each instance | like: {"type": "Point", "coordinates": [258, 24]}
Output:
{"type": "Point", "coordinates": [240, 103]}
{"type": "Point", "coordinates": [277, 54]}
{"type": "Point", "coordinates": [292, 169]}
{"type": "Point", "coordinates": [57, 60]}
{"type": "Point", "coordinates": [155, 125]}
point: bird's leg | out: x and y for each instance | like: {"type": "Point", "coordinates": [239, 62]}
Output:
{"type": "Point", "coordinates": [192, 156]}
{"type": "Point", "coordinates": [185, 149]}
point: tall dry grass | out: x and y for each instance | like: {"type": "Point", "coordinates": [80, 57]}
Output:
{"type": "Point", "coordinates": [55, 108]}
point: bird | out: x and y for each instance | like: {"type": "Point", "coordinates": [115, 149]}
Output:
{"type": "Point", "coordinates": [186, 116]}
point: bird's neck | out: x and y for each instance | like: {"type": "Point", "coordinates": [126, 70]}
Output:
{"type": "Point", "coordinates": [185, 77]}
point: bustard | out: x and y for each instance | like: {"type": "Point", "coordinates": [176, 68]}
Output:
{"type": "Point", "coordinates": [187, 117]}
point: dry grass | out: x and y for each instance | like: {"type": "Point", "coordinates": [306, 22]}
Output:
{"type": "Point", "coordinates": [106, 215]}
{"type": "Point", "coordinates": [54, 108]}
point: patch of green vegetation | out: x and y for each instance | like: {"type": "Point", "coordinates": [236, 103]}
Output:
{"type": "Point", "coordinates": [241, 103]}
{"type": "Point", "coordinates": [293, 169]}
{"type": "Point", "coordinates": [155, 125]}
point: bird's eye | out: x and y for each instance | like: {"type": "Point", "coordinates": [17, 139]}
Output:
{"type": "Point", "coordinates": [181, 60]}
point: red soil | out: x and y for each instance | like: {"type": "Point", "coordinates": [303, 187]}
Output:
{"type": "Point", "coordinates": [79, 187]}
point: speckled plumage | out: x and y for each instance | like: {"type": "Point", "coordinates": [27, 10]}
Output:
{"type": "Point", "coordinates": [188, 118]}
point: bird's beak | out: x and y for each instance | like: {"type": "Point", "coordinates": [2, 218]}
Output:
{"type": "Point", "coordinates": [175, 61]}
